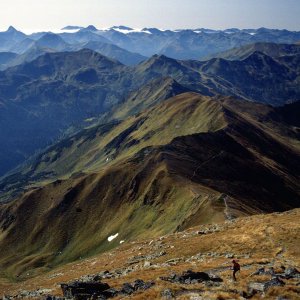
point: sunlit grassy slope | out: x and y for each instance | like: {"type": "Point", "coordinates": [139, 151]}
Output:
{"type": "Point", "coordinates": [260, 241]}
{"type": "Point", "coordinates": [189, 160]}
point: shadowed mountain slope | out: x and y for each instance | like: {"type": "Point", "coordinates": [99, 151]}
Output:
{"type": "Point", "coordinates": [9, 38]}
{"type": "Point", "coordinates": [258, 77]}
{"type": "Point", "coordinates": [51, 93]}
{"type": "Point", "coordinates": [186, 161]}
{"type": "Point", "coordinates": [152, 93]}
{"type": "Point", "coordinates": [6, 58]}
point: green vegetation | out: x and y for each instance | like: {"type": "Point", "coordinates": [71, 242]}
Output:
{"type": "Point", "coordinates": [166, 169]}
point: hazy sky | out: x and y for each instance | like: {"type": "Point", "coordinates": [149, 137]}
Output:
{"type": "Point", "coordinates": [216, 14]}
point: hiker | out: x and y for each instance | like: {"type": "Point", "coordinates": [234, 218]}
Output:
{"type": "Point", "coordinates": [236, 267]}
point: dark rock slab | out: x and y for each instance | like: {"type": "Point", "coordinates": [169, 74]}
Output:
{"type": "Point", "coordinates": [77, 288]}
{"type": "Point", "coordinates": [190, 277]}
{"type": "Point", "coordinates": [137, 285]}
{"type": "Point", "coordinates": [167, 294]}
{"type": "Point", "coordinates": [291, 273]}
{"type": "Point", "coordinates": [275, 281]}
{"type": "Point", "coordinates": [261, 287]}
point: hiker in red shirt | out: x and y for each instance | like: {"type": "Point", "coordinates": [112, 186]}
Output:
{"type": "Point", "coordinates": [236, 267]}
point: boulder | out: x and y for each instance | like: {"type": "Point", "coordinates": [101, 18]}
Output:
{"type": "Point", "coordinates": [190, 277]}
{"type": "Point", "coordinates": [291, 273]}
{"type": "Point", "coordinates": [127, 289]}
{"type": "Point", "coordinates": [77, 289]}
{"type": "Point", "coordinates": [137, 285]}
{"type": "Point", "coordinates": [167, 294]}
{"type": "Point", "coordinates": [275, 281]}
{"type": "Point", "coordinates": [141, 285]}
{"type": "Point", "coordinates": [261, 287]}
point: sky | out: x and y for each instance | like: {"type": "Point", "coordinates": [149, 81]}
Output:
{"type": "Point", "coordinates": [36, 15]}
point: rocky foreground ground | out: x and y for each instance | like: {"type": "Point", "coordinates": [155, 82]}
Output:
{"type": "Point", "coordinates": [194, 264]}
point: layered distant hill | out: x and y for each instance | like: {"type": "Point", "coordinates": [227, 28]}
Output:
{"type": "Point", "coordinates": [131, 46]}
{"type": "Point", "coordinates": [271, 49]}
{"type": "Point", "coordinates": [42, 98]}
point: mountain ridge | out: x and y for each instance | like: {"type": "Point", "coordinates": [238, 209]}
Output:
{"type": "Point", "coordinates": [270, 49]}
{"type": "Point", "coordinates": [94, 83]}
{"type": "Point", "coordinates": [178, 44]}
{"type": "Point", "coordinates": [173, 166]}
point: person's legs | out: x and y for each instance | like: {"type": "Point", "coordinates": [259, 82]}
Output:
{"type": "Point", "coordinates": [234, 272]}
{"type": "Point", "coordinates": [234, 278]}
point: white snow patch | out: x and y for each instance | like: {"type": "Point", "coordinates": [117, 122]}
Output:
{"type": "Point", "coordinates": [57, 31]}
{"type": "Point", "coordinates": [126, 31]}
{"type": "Point", "coordinates": [252, 33]}
{"type": "Point", "coordinates": [112, 237]}
{"type": "Point", "coordinates": [66, 30]}
{"type": "Point", "coordinates": [121, 242]}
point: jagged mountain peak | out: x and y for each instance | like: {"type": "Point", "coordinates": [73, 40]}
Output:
{"type": "Point", "coordinates": [91, 28]}
{"type": "Point", "coordinates": [159, 59]}
{"type": "Point", "coordinates": [12, 29]}
{"type": "Point", "coordinates": [12, 32]}
{"type": "Point", "coordinates": [259, 57]}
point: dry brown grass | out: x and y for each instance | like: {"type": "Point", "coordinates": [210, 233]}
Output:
{"type": "Point", "coordinates": [256, 242]}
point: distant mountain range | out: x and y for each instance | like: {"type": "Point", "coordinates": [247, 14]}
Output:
{"type": "Point", "coordinates": [270, 49]}
{"type": "Point", "coordinates": [131, 46]}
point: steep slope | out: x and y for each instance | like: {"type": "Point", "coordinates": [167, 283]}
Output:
{"type": "Point", "coordinates": [6, 58]}
{"type": "Point", "coordinates": [105, 144]}
{"type": "Point", "coordinates": [53, 41]}
{"type": "Point", "coordinates": [24, 45]}
{"type": "Point", "coordinates": [51, 93]}
{"type": "Point", "coordinates": [258, 77]}
{"type": "Point", "coordinates": [291, 61]}
{"type": "Point", "coordinates": [9, 38]}
{"type": "Point", "coordinates": [152, 93]}
{"type": "Point", "coordinates": [186, 161]}
{"type": "Point", "coordinates": [31, 54]}
{"type": "Point", "coordinates": [265, 245]}
{"type": "Point", "coordinates": [163, 66]}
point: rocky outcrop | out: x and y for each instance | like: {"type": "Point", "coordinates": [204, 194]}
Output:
{"type": "Point", "coordinates": [190, 277]}
{"type": "Point", "coordinates": [99, 290]}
